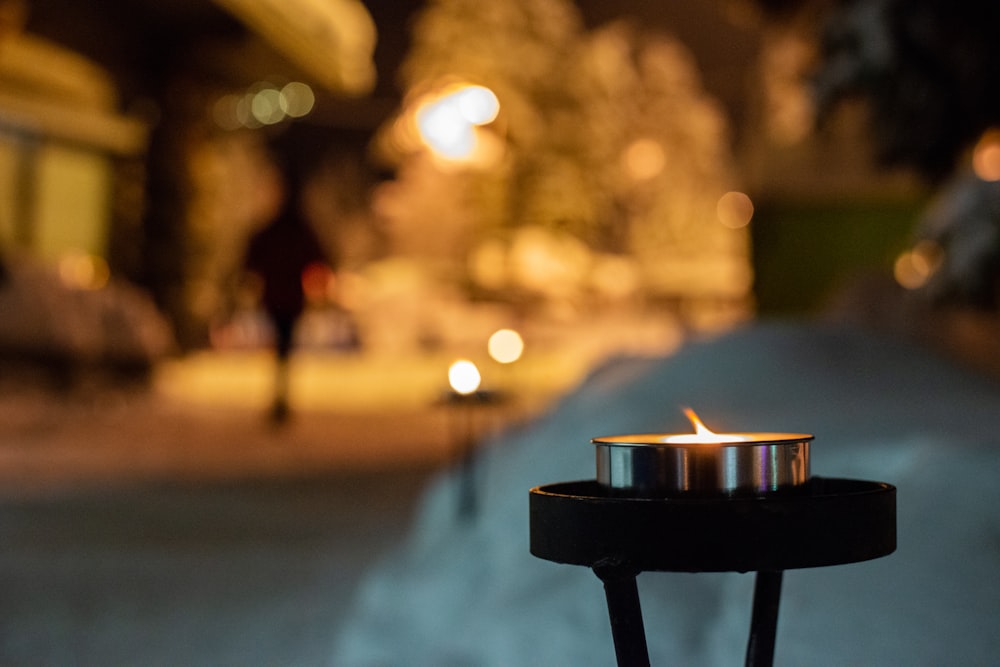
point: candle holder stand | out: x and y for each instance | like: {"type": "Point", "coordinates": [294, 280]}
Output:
{"type": "Point", "coordinates": [620, 531]}
{"type": "Point", "coordinates": [463, 409]}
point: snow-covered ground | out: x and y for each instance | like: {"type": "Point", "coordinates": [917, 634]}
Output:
{"type": "Point", "coordinates": [175, 525]}
{"type": "Point", "coordinates": [470, 594]}
{"type": "Point", "coordinates": [149, 530]}
{"type": "Point", "coordinates": [138, 531]}
{"type": "Point", "coordinates": [211, 574]}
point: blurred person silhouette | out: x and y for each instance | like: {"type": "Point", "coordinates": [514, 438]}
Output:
{"type": "Point", "coordinates": [281, 259]}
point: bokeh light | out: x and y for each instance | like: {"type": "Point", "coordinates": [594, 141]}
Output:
{"type": "Point", "coordinates": [244, 112]}
{"type": "Point", "coordinates": [644, 159]}
{"type": "Point", "coordinates": [477, 104]}
{"type": "Point", "coordinates": [297, 99]}
{"type": "Point", "coordinates": [464, 377]}
{"type": "Point", "coordinates": [263, 104]}
{"type": "Point", "coordinates": [914, 267]}
{"type": "Point", "coordinates": [448, 122]}
{"type": "Point", "coordinates": [986, 156]}
{"type": "Point", "coordinates": [83, 271]}
{"type": "Point", "coordinates": [445, 130]}
{"type": "Point", "coordinates": [226, 113]}
{"type": "Point", "coordinates": [735, 210]}
{"type": "Point", "coordinates": [505, 346]}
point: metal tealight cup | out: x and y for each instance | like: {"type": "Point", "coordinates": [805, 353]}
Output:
{"type": "Point", "coordinates": [651, 466]}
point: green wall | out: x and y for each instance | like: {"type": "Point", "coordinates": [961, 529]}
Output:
{"type": "Point", "coordinates": [803, 251]}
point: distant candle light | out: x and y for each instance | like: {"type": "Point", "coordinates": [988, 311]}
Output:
{"type": "Point", "coordinates": [464, 377]}
{"type": "Point", "coordinates": [505, 346]}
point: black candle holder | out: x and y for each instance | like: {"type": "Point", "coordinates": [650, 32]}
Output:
{"type": "Point", "coordinates": [813, 523]}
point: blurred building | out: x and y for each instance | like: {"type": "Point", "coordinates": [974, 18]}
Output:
{"type": "Point", "coordinates": [106, 107]}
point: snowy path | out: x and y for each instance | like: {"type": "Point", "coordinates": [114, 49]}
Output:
{"type": "Point", "coordinates": [240, 573]}
{"type": "Point", "coordinates": [137, 531]}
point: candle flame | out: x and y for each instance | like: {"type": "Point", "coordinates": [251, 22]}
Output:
{"type": "Point", "coordinates": [703, 434]}
{"type": "Point", "coordinates": [699, 426]}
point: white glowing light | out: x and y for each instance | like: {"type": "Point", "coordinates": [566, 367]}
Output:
{"type": "Point", "coordinates": [505, 346]}
{"type": "Point", "coordinates": [477, 104]}
{"type": "Point", "coordinates": [464, 377]}
{"type": "Point", "coordinates": [448, 123]}
{"type": "Point", "coordinates": [445, 130]}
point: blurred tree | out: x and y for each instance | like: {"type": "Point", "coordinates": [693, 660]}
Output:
{"type": "Point", "coordinates": [926, 71]}
{"type": "Point", "coordinates": [926, 68]}
{"type": "Point", "coordinates": [607, 136]}
{"type": "Point", "coordinates": [518, 50]}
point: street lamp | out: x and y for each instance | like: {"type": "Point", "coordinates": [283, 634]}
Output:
{"type": "Point", "coordinates": [449, 122]}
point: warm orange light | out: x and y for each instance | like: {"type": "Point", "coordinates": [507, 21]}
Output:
{"type": "Point", "coordinates": [644, 159]}
{"type": "Point", "coordinates": [735, 209]}
{"type": "Point", "coordinates": [82, 271]}
{"type": "Point", "coordinates": [913, 268]}
{"type": "Point", "coordinates": [702, 434]}
{"type": "Point", "coordinates": [986, 156]}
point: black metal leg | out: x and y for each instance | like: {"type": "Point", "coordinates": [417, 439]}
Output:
{"type": "Point", "coordinates": [627, 629]}
{"type": "Point", "coordinates": [464, 432]}
{"type": "Point", "coordinates": [467, 493]}
{"type": "Point", "coordinates": [764, 622]}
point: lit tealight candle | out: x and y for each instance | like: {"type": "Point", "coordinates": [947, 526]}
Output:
{"type": "Point", "coordinates": [702, 434]}
{"type": "Point", "coordinates": [702, 463]}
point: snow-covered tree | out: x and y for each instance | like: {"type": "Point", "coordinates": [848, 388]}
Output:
{"type": "Point", "coordinates": [604, 136]}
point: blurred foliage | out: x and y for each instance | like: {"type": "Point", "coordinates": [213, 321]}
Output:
{"type": "Point", "coordinates": [572, 104]}
{"type": "Point", "coordinates": [926, 68]}
{"type": "Point", "coordinates": [805, 252]}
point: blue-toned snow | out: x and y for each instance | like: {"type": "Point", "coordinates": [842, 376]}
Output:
{"type": "Point", "coordinates": [471, 595]}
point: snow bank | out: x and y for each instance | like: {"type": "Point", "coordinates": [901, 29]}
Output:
{"type": "Point", "coordinates": [42, 318]}
{"type": "Point", "coordinates": [470, 594]}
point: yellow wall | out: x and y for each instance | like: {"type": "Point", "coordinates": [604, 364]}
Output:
{"type": "Point", "coordinates": [71, 202]}
{"type": "Point", "coordinates": [67, 205]}
{"type": "Point", "coordinates": [8, 192]}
